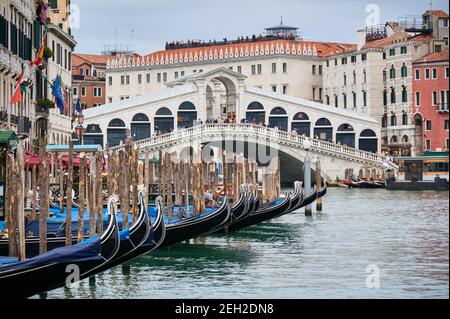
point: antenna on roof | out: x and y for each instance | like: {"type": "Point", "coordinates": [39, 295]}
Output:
{"type": "Point", "coordinates": [431, 4]}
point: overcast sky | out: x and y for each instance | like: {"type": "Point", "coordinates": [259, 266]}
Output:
{"type": "Point", "coordinates": [148, 24]}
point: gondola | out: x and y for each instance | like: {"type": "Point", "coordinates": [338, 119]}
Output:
{"type": "Point", "coordinates": [196, 225]}
{"type": "Point", "coordinates": [265, 212]}
{"type": "Point", "coordinates": [323, 191]}
{"type": "Point", "coordinates": [141, 241]}
{"type": "Point", "coordinates": [238, 210]}
{"type": "Point", "coordinates": [310, 198]}
{"type": "Point", "coordinates": [297, 197]}
{"type": "Point", "coordinates": [347, 183]}
{"type": "Point", "coordinates": [53, 269]}
{"type": "Point", "coordinates": [363, 183]}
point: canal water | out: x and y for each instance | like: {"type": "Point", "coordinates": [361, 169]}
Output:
{"type": "Point", "coordinates": [365, 244]}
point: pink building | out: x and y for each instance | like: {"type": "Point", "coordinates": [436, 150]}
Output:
{"type": "Point", "coordinates": [431, 98]}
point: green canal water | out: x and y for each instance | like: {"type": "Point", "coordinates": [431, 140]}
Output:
{"type": "Point", "coordinates": [402, 237]}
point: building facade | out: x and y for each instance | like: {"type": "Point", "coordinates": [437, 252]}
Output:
{"type": "Point", "coordinates": [16, 53]}
{"type": "Point", "coordinates": [377, 78]}
{"type": "Point", "coordinates": [23, 25]}
{"type": "Point", "coordinates": [88, 76]}
{"type": "Point", "coordinates": [280, 62]}
{"type": "Point", "coordinates": [431, 98]}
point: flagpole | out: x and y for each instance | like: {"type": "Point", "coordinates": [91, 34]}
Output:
{"type": "Point", "coordinates": [9, 116]}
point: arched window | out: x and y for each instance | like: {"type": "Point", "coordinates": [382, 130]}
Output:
{"type": "Point", "coordinates": [140, 117]}
{"type": "Point", "coordinates": [384, 120]}
{"type": "Point", "coordinates": [323, 130]}
{"type": "Point", "coordinates": [368, 141]}
{"type": "Point", "coordinates": [405, 118]}
{"type": "Point", "coordinates": [404, 71]}
{"type": "Point", "coordinates": [301, 124]}
{"type": "Point", "coordinates": [345, 128]}
{"type": "Point", "coordinates": [301, 117]}
{"type": "Point", "coordinates": [393, 120]}
{"type": "Point", "coordinates": [278, 118]}
{"type": "Point", "coordinates": [116, 132]}
{"type": "Point", "coordinates": [345, 135]}
{"type": "Point", "coordinates": [404, 95]}
{"type": "Point", "coordinates": [116, 123]}
{"type": "Point", "coordinates": [93, 135]}
{"type": "Point", "coordinates": [140, 127]}
{"type": "Point", "coordinates": [394, 139]}
{"type": "Point", "coordinates": [164, 111]}
{"type": "Point", "coordinates": [278, 111]}
{"type": "Point", "coordinates": [323, 122]}
{"type": "Point", "coordinates": [164, 121]}
{"type": "Point", "coordinates": [392, 72]}
{"type": "Point", "coordinates": [255, 106]}
{"type": "Point", "coordinates": [255, 113]}
{"type": "Point", "coordinates": [186, 115]}
{"type": "Point", "coordinates": [405, 139]}
{"type": "Point", "coordinates": [393, 97]}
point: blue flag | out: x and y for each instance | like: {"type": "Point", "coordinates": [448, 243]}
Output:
{"type": "Point", "coordinates": [78, 106]}
{"type": "Point", "coordinates": [57, 93]}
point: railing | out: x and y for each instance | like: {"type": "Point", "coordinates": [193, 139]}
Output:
{"type": "Point", "coordinates": [260, 132]}
{"type": "Point", "coordinates": [24, 125]}
{"type": "Point", "coordinates": [442, 107]}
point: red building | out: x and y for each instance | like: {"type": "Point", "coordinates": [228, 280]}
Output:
{"type": "Point", "coordinates": [431, 98]}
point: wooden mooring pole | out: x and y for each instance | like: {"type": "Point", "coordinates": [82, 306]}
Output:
{"type": "Point", "coordinates": [81, 195]}
{"type": "Point", "coordinates": [69, 197]}
{"type": "Point", "coordinates": [319, 185]}
{"type": "Point", "coordinates": [43, 196]}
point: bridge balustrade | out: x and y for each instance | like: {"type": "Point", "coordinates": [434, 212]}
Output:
{"type": "Point", "coordinates": [260, 131]}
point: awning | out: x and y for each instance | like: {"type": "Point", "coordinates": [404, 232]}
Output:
{"type": "Point", "coordinates": [9, 139]}
{"type": "Point", "coordinates": [76, 148]}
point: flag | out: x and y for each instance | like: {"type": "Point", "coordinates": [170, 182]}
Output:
{"type": "Point", "coordinates": [40, 54]}
{"type": "Point", "coordinates": [17, 95]}
{"type": "Point", "coordinates": [78, 106]}
{"type": "Point", "coordinates": [57, 93]}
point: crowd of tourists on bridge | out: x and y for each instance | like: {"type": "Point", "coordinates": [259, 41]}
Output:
{"type": "Point", "coordinates": [174, 45]}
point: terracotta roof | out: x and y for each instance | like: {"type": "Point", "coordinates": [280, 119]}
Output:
{"type": "Point", "coordinates": [398, 37]}
{"type": "Point", "coordinates": [78, 59]}
{"type": "Point", "coordinates": [422, 38]}
{"type": "Point", "coordinates": [321, 48]}
{"type": "Point", "coordinates": [440, 14]}
{"type": "Point", "coordinates": [434, 57]}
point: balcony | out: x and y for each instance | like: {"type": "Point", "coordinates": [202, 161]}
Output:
{"type": "Point", "coordinates": [404, 81]}
{"type": "Point", "coordinates": [24, 125]}
{"type": "Point", "coordinates": [442, 107]}
{"type": "Point", "coordinates": [10, 62]}
{"type": "Point", "coordinates": [42, 111]}
{"type": "Point", "coordinates": [392, 108]}
{"type": "Point", "coordinates": [376, 32]}
{"type": "Point", "coordinates": [413, 23]}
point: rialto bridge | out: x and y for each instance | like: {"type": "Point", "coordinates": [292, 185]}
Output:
{"type": "Point", "coordinates": [342, 138]}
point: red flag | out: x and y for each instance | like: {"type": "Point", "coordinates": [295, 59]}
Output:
{"type": "Point", "coordinates": [17, 95]}
{"type": "Point", "coordinates": [40, 54]}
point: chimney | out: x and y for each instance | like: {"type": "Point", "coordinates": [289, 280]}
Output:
{"type": "Point", "coordinates": [361, 35]}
